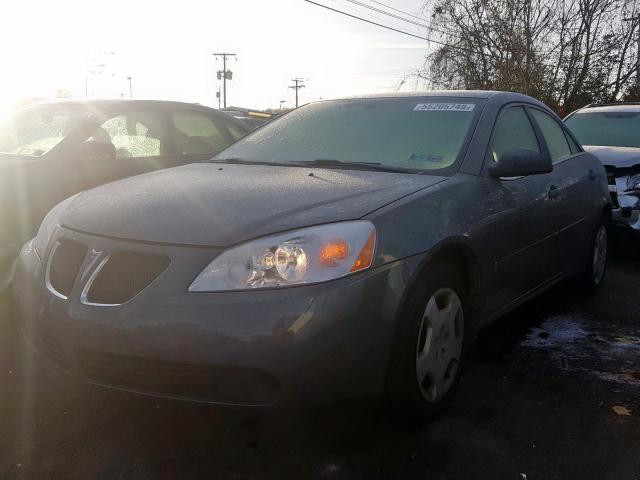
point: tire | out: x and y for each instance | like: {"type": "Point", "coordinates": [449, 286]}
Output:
{"type": "Point", "coordinates": [430, 345]}
{"type": "Point", "coordinates": [594, 272]}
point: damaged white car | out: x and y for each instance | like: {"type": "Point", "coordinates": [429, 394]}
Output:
{"type": "Point", "coordinates": [612, 133]}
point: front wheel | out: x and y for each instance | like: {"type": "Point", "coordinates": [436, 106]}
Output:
{"type": "Point", "coordinates": [430, 345]}
{"type": "Point", "coordinates": [594, 273]}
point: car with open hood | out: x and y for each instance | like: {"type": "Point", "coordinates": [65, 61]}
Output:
{"type": "Point", "coordinates": [612, 133]}
{"type": "Point", "coordinates": [51, 150]}
{"type": "Point", "coordinates": [350, 248]}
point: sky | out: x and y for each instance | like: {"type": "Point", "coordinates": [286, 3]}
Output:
{"type": "Point", "coordinates": [166, 48]}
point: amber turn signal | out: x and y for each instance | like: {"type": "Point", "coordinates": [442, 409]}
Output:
{"type": "Point", "coordinates": [334, 253]}
{"type": "Point", "coordinates": [365, 259]}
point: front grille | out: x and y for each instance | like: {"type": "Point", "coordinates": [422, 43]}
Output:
{"type": "Point", "coordinates": [123, 276]}
{"type": "Point", "coordinates": [235, 385]}
{"type": "Point", "coordinates": [66, 260]}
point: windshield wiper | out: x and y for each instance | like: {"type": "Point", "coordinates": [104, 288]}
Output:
{"type": "Point", "coordinates": [319, 162]}
{"type": "Point", "coordinates": [330, 162]}
{"type": "Point", "coordinates": [244, 161]}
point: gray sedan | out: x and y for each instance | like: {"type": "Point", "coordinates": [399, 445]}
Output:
{"type": "Point", "coordinates": [351, 248]}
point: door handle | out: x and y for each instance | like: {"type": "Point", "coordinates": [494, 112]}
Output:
{"type": "Point", "coordinates": [553, 191]}
{"type": "Point", "coordinates": [592, 175]}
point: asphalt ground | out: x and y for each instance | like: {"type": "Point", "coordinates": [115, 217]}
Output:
{"type": "Point", "coordinates": [537, 402]}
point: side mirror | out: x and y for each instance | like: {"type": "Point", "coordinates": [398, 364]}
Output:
{"type": "Point", "coordinates": [97, 151]}
{"type": "Point", "coordinates": [519, 162]}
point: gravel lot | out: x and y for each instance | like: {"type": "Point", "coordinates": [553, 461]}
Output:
{"type": "Point", "coordinates": [536, 403]}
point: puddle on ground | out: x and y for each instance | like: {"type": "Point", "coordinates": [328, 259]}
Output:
{"type": "Point", "coordinates": [579, 343]}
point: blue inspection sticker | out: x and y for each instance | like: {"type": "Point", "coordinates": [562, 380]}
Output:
{"type": "Point", "coordinates": [423, 157]}
{"type": "Point", "coordinates": [444, 107]}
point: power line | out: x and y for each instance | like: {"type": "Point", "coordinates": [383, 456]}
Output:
{"type": "Point", "coordinates": [396, 10]}
{"type": "Point", "coordinates": [386, 26]}
{"type": "Point", "coordinates": [389, 14]}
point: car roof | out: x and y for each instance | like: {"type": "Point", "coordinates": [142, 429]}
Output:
{"type": "Point", "coordinates": [613, 107]}
{"type": "Point", "coordinates": [497, 97]}
{"type": "Point", "coordinates": [115, 102]}
{"type": "Point", "coordinates": [481, 94]}
{"type": "Point", "coordinates": [107, 105]}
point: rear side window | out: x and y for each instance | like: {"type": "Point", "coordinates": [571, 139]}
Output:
{"type": "Point", "coordinates": [553, 134]}
{"type": "Point", "coordinates": [513, 130]}
{"type": "Point", "coordinates": [575, 148]}
{"type": "Point", "coordinates": [198, 134]}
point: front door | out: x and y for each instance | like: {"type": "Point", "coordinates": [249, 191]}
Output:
{"type": "Point", "coordinates": [522, 255]}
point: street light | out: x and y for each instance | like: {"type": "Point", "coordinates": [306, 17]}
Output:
{"type": "Point", "coordinates": [130, 87]}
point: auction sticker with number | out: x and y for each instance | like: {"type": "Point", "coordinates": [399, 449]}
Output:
{"type": "Point", "coordinates": [444, 107]}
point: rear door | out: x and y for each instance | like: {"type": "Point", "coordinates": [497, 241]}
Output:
{"type": "Point", "coordinates": [576, 183]}
{"type": "Point", "coordinates": [521, 209]}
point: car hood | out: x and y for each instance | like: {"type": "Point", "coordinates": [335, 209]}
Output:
{"type": "Point", "coordinates": [222, 204]}
{"type": "Point", "coordinates": [619, 157]}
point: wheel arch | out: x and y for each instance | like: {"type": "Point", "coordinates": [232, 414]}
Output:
{"type": "Point", "coordinates": [462, 255]}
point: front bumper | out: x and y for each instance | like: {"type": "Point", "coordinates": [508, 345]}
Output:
{"type": "Point", "coordinates": [8, 254]}
{"type": "Point", "coordinates": [626, 211]}
{"type": "Point", "coordinates": [253, 348]}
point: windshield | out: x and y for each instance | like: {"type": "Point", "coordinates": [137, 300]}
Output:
{"type": "Point", "coordinates": [405, 133]}
{"type": "Point", "coordinates": [611, 129]}
{"type": "Point", "coordinates": [35, 131]}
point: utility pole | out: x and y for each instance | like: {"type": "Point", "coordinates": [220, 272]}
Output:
{"type": "Point", "coordinates": [299, 83]}
{"type": "Point", "coordinates": [636, 19]}
{"type": "Point", "coordinates": [224, 74]}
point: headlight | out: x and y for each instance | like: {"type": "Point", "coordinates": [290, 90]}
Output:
{"type": "Point", "coordinates": [633, 182]}
{"type": "Point", "coordinates": [308, 255]}
{"type": "Point", "coordinates": [48, 226]}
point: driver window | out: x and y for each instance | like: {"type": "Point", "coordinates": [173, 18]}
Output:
{"type": "Point", "coordinates": [513, 130]}
{"type": "Point", "coordinates": [136, 134]}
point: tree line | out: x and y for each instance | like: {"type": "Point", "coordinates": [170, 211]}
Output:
{"type": "Point", "coordinates": [567, 53]}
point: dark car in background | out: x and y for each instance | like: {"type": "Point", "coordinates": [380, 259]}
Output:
{"type": "Point", "coordinates": [350, 248]}
{"type": "Point", "coordinates": [612, 133]}
{"type": "Point", "coordinates": [49, 151]}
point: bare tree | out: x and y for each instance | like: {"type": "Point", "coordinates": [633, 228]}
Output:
{"type": "Point", "coordinates": [565, 52]}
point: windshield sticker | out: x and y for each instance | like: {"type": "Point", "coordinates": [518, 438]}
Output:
{"type": "Point", "coordinates": [444, 107]}
{"type": "Point", "coordinates": [421, 157]}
